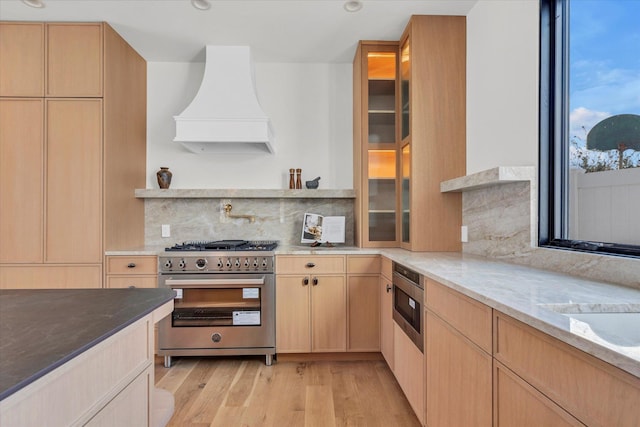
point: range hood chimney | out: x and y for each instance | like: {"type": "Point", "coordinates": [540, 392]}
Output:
{"type": "Point", "coordinates": [225, 116]}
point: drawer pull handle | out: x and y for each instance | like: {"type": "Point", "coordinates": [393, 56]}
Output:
{"type": "Point", "coordinates": [315, 281]}
{"type": "Point", "coordinates": [388, 288]}
{"type": "Point", "coordinates": [310, 265]}
{"type": "Point", "coordinates": [131, 265]}
{"type": "Point", "coordinates": [305, 281]}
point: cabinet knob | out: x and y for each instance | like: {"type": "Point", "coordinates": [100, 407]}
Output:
{"type": "Point", "coordinates": [315, 281]}
{"type": "Point", "coordinates": [131, 265]}
{"type": "Point", "coordinates": [388, 288]}
{"type": "Point", "coordinates": [305, 281]}
{"type": "Point", "coordinates": [310, 265]}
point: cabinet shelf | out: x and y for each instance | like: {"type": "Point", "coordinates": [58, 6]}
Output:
{"type": "Point", "coordinates": [382, 112]}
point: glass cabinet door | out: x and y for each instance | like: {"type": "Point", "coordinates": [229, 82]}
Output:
{"type": "Point", "coordinates": [405, 192]}
{"type": "Point", "coordinates": [381, 150]}
{"type": "Point", "coordinates": [405, 81]}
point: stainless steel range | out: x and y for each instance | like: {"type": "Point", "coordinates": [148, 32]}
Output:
{"type": "Point", "coordinates": [225, 299]}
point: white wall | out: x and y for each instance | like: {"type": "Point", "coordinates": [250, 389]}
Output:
{"type": "Point", "coordinates": [310, 106]}
{"type": "Point", "coordinates": [502, 84]}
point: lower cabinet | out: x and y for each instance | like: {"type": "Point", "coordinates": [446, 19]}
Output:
{"type": "Point", "coordinates": [409, 370]}
{"type": "Point", "coordinates": [458, 334]}
{"type": "Point", "coordinates": [131, 271]}
{"type": "Point", "coordinates": [592, 391]}
{"type": "Point", "coordinates": [386, 312]}
{"type": "Point", "coordinates": [519, 404]}
{"type": "Point", "coordinates": [311, 304]}
{"type": "Point", "coordinates": [459, 378]}
{"type": "Point", "coordinates": [310, 314]}
{"type": "Point", "coordinates": [363, 303]}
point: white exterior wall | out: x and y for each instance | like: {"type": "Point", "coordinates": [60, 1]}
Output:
{"type": "Point", "coordinates": [606, 206]}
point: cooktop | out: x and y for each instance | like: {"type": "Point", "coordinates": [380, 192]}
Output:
{"type": "Point", "coordinates": [225, 245]}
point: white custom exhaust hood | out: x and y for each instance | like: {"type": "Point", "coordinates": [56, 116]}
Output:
{"type": "Point", "coordinates": [225, 115]}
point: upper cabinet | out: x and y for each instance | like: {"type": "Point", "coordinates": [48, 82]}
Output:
{"type": "Point", "coordinates": [53, 60]}
{"type": "Point", "coordinates": [22, 64]}
{"type": "Point", "coordinates": [74, 60]}
{"type": "Point", "coordinates": [375, 143]}
{"type": "Point", "coordinates": [402, 154]}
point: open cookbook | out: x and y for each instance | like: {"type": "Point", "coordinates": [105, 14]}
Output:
{"type": "Point", "coordinates": [322, 229]}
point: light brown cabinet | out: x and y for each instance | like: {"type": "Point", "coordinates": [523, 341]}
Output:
{"type": "Point", "coordinates": [409, 370]}
{"type": "Point", "coordinates": [22, 63]}
{"type": "Point", "coordinates": [592, 391]}
{"type": "Point", "coordinates": [432, 71]}
{"type": "Point", "coordinates": [74, 60]}
{"type": "Point", "coordinates": [363, 302]}
{"type": "Point", "coordinates": [375, 143]}
{"type": "Point", "coordinates": [311, 304]}
{"type": "Point", "coordinates": [519, 404]}
{"type": "Point", "coordinates": [73, 155]}
{"type": "Point", "coordinates": [458, 337]}
{"type": "Point", "coordinates": [409, 136]}
{"type": "Point", "coordinates": [386, 311]}
{"type": "Point", "coordinates": [132, 271]}
{"type": "Point", "coordinates": [22, 165]}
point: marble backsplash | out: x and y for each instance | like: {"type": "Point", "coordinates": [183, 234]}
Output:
{"type": "Point", "coordinates": [502, 224]}
{"type": "Point", "coordinates": [205, 219]}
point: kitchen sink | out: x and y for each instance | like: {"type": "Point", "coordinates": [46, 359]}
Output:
{"type": "Point", "coordinates": [613, 325]}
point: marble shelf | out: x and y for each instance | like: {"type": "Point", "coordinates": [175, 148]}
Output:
{"type": "Point", "coordinates": [180, 193]}
{"type": "Point", "coordinates": [496, 176]}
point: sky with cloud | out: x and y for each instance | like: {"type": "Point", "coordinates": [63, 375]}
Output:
{"type": "Point", "coordinates": [604, 61]}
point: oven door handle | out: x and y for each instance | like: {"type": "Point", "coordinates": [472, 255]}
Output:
{"type": "Point", "coordinates": [198, 283]}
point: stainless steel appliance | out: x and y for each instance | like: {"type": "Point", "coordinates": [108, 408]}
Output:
{"type": "Point", "coordinates": [225, 299]}
{"type": "Point", "coordinates": [408, 298]}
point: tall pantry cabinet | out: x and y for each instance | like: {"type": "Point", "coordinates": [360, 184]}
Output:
{"type": "Point", "coordinates": [72, 151]}
{"type": "Point", "coordinates": [399, 164]}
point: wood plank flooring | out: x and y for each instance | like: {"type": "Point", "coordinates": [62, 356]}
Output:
{"type": "Point", "coordinates": [243, 391]}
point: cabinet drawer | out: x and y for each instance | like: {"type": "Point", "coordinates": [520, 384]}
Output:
{"type": "Point", "coordinates": [38, 276]}
{"type": "Point", "coordinates": [471, 318]}
{"type": "Point", "coordinates": [131, 265]}
{"type": "Point", "coordinates": [591, 390]}
{"type": "Point", "coordinates": [312, 264]}
{"type": "Point", "coordinates": [369, 264]}
{"type": "Point", "coordinates": [135, 281]}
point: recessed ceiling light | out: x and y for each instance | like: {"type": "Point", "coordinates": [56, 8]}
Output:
{"type": "Point", "coordinates": [39, 4]}
{"type": "Point", "coordinates": [352, 5]}
{"type": "Point", "coordinates": [201, 4]}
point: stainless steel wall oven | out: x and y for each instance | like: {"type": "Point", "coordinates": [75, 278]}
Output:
{"type": "Point", "coordinates": [225, 300]}
{"type": "Point", "coordinates": [408, 299]}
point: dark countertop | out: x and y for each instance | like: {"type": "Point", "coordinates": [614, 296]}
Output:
{"type": "Point", "coordinates": [41, 329]}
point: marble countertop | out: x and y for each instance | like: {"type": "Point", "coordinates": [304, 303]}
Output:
{"type": "Point", "coordinates": [42, 329]}
{"type": "Point", "coordinates": [534, 296]}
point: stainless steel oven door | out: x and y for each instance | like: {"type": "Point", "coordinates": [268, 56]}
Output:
{"type": "Point", "coordinates": [218, 311]}
{"type": "Point", "coordinates": [407, 309]}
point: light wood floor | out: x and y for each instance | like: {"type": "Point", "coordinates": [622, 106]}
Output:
{"type": "Point", "coordinates": [229, 392]}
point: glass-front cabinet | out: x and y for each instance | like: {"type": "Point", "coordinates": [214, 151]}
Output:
{"type": "Point", "coordinates": [375, 150]}
{"type": "Point", "coordinates": [405, 161]}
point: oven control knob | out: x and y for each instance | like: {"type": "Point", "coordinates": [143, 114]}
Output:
{"type": "Point", "coordinates": [219, 263]}
{"type": "Point", "coordinates": [246, 263]}
{"type": "Point", "coordinates": [228, 264]}
{"type": "Point", "coordinates": [237, 263]}
{"type": "Point", "coordinates": [216, 337]}
{"type": "Point", "coordinates": [255, 263]}
{"type": "Point", "coordinates": [167, 264]}
{"type": "Point", "coordinates": [264, 263]}
{"type": "Point", "coordinates": [201, 263]}
{"type": "Point", "coordinates": [182, 264]}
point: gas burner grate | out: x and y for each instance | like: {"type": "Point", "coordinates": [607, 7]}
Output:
{"type": "Point", "coordinates": [225, 245]}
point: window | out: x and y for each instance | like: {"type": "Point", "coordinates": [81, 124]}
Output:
{"type": "Point", "coordinates": [590, 125]}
